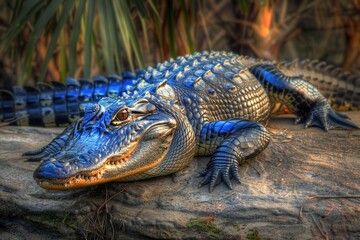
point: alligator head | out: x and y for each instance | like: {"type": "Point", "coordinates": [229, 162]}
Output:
{"type": "Point", "coordinates": [116, 139]}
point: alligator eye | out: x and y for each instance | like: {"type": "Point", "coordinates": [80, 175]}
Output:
{"type": "Point", "coordinates": [122, 115]}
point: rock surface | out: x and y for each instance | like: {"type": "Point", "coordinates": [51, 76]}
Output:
{"type": "Point", "coordinates": [273, 202]}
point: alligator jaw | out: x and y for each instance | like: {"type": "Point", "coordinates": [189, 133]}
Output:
{"type": "Point", "coordinates": [110, 169]}
{"type": "Point", "coordinates": [84, 179]}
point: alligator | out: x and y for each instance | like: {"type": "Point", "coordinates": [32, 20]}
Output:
{"type": "Point", "coordinates": [154, 122]}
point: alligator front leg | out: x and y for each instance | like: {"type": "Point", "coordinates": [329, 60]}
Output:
{"type": "Point", "coordinates": [53, 147]}
{"type": "Point", "coordinates": [302, 99]}
{"type": "Point", "coordinates": [231, 142]}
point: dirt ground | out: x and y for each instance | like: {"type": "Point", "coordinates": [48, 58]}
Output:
{"type": "Point", "coordinates": [305, 185]}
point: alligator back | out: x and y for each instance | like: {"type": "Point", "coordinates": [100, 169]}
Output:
{"type": "Point", "coordinates": [215, 85]}
{"type": "Point", "coordinates": [212, 86]}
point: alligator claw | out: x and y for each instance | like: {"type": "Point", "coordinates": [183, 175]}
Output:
{"type": "Point", "coordinates": [216, 174]}
{"type": "Point", "coordinates": [323, 116]}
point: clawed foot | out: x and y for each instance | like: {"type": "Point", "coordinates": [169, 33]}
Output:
{"type": "Point", "coordinates": [323, 116]}
{"type": "Point", "coordinates": [215, 173]}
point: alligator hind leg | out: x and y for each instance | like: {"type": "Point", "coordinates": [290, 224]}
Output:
{"type": "Point", "coordinates": [302, 98]}
{"type": "Point", "coordinates": [230, 142]}
{"type": "Point", "coordinates": [53, 147]}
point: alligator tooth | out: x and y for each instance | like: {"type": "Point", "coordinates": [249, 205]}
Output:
{"type": "Point", "coordinates": [78, 176]}
{"type": "Point", "coordinates": [90, 178]}
{"type": "Point", "coordinates": [65, 184]}
{"type": "Point", "coordinates": [98, 175]}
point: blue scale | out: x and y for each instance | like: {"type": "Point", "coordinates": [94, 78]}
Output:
{"type": "Point", "coordinates": [86, 91]}
{"type": "Point", "coordinates": [128, 78]}
{"type": "Point", "coordinates": [60, 108]}
{"type": "Point", "coordinates": [115, 85]}
{"type": "Point", "coordinates": [6, 105]}
{"type": "Point", "coordinates": [72, 94]}
{"type": "Point", "coordinates": [100, 89]}
{"type": "Point", "coordinates": [33, 105]}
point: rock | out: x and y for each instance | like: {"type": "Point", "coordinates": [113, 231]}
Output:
{"type": "Point", "coordinates": [277, 186]}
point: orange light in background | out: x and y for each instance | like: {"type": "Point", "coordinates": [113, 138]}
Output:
{"type": "Point", "coordinates": [264, 21]}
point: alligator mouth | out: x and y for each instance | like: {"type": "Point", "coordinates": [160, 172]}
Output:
{"type": "Point", "coordinates": [86, 178]}
{"type": "Point", "coordinates": [112, 164]}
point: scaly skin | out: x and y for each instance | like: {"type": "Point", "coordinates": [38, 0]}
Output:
{"type": "Point", "coordinates": [204, 104]}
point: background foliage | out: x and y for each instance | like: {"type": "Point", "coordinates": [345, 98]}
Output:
{"type": "Point", "coordinates": [51, 39]}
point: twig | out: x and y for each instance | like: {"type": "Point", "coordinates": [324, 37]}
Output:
{"type": "Point", "coordinates": [321, 229]}
{"type": "Point", "coordinates": [322, 197]}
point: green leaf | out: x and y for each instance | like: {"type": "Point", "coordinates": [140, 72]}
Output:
{"type": "Point", "coordinates": [155, 10]}
{"type": "Point", "coordinates": [121, 19]}
{"type": "Point", "coordinates": [40, 24]}
{"type": "Point", "coordinates": [27, 10]}
{"type": "Point", "coordinates": [113, 36]}
{"type": "Point", "coordinates": [158, 27]}
{"type": "Point", "coordinates": [133, 37]}
{"type": "Point", "coordinates": [171, 27]}
{"type": "Point", "coordinates": [55, 35]}
{"type": "Point", "coordinates": [140, 7]}
{"type": "Point", "coordinates": [187, 26]}
{"type": "Point", "coordinates": [145, 32]}
{"type": "Point", "coordinates": [105, 34]}
{"type": "Point", "coordinates": [88, 37]}
{"type": "Point", "coordinates": [63, 58]}
{"type": "Point", "coordinates": [243, 6]}
{"type": "Point", "coordinates": [74, 37]}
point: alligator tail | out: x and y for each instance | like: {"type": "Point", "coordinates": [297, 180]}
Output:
{"type": "Point", "coordinates": [56, 104]}
{"type": "Point", "coordinates": [342, 89]}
